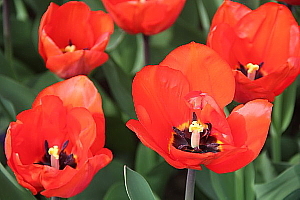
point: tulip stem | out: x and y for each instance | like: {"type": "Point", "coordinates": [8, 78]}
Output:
{"type": "Point", "coordinates": [55, 198]}
{"type": "Point", "coordinates": [276, 147]}
{"type": "Point", "coordinates": [190, 184]}
{"type": "Point", "coordinates": [8, 50]}
{"type": "Point", "coordinates": [146, 39]}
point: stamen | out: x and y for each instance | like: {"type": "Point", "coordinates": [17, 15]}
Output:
{"type": "Point", "coordinates": [54, 156]}
{"type": "Point", "coordinates": [251, 70]}
{"type": "Point", "coordinates": [195, 128]}
{"type": "Point", "coordinates": [70, 48]}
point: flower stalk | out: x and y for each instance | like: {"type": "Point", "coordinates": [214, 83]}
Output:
{"type": "Point", "coordinates": [190, 184]}
{"type": "Point", "coordinates": [146, 39]}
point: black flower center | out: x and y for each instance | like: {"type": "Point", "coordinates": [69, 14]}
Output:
{"type": "Point", "coordinates": [206, 142]}
{"type": "Point", "coordinates": [64, 158]}
{"type": "Point", "coordinates": [245, 71]}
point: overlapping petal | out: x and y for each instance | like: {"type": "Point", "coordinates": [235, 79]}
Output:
{"type": "Point", "coordinates": [168, 97]}
{"type": "Point", "coordinates": [267, 36]}
{"type": "Point", "coordinates": [58, 117]}
{"type": "Point", "coordinates": [147, 17]}
{"type": "Point", "coordinates": [86, 32]}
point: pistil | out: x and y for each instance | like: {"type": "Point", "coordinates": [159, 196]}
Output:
{"type": "Point", "coordinates": [54, 157]}
{"type": "Point", "coordinates": [251, 70]}
{"type": "Point", "coordinates": [196, 129]}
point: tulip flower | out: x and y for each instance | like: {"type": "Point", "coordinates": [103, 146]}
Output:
{"type": "Point", "coordinates": [56, 147]}
{"type": "Point", "coordinates": [72, 38]}
{"type": "Point", "coordinates": [291, 2]}
{"type": "Point", "coordinates": [144, 16]}
{"type": "Point", "coordinates": [261, 46]}
{"type": "Point", "coordinates": [179, 104]}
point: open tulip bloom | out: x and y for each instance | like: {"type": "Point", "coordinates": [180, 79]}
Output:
{"type": "Point", "coordinates": [144, 16]}
{"type": "Point", "coordinates": [72, 38]}
{"type": "Point", "coordinates": [179, 104]}
{"type": "Point", "coordinates": [262, 47]}
{"type": "Point", "coordinates": [56, 147]}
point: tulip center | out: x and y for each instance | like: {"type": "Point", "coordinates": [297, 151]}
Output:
{"type": "Point", "coordinates": [69, 48]}
{"type": "Point", "coordinates": [252, 71]}
{"type": "Point", "coordinates": [58, 158]}
{"type": "Point", "coordinates": [195, 137]}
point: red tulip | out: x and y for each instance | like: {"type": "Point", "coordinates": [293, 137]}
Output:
{"type": "Point", "coordinates": [56, 147]}
{"type": "Point", "coordinates": [72, 38]}
{"type": "Point", "coordinates": [179, 104]}
{"type": "Point", "coordinates": [292, 2]}
{"type": "Point", "coordinates": [144, 16]}
{"type": "Point", "coordinates": [261, 46]}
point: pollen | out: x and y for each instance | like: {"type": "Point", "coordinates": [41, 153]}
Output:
{"type": "Point", "coordinates": [195, 126]}
{"type": "Point", "coordinates": [54, 151]}
{"type": "Point", "coordinates": [70, 48]}
{"type": "Point", "coordinates": [251, 70]}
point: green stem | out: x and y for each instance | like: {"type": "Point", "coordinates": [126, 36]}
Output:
{"type": "Point", "coordinates": [276, 147]}
{"type": "Point", "coordinates": [190, 184]}
{"type": "Point", "coordinates": [146, 39]}
{"type": "Point", "coordinates": [55, 198]}
{"type": "Point", "coordinates": [239, 184]}
{"type": "Point", "coordinates": [8, 50]}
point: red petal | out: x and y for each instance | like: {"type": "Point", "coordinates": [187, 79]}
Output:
{"type": "Point", "coordinates": [279, 30]}
{"type": "Point", "coordinates": [249, 125]}
{"type": "Point", "coordinates": [79, 91]}
{"type": "Point", "coordinates": [205, 70]}
{"type": "Point", "coordinates": [150, 17]}
{"type": "Point", "coordinates": [45, 19]}
{"type": "Point", "coordinates": [158, 94]}
{"type": "Point", "coordinates": [74, 26]}
{"type": "Point", "coordinates": [79, 62]}
{"type": "Point", "coordinates": [229, 13]}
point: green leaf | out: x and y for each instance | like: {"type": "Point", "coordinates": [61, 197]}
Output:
{"type": "Point", "coordinates": [102, 181]}
{"type": "Point", "coordinates": [265, 169]}
{"type": "Point", "coordinates": [120, 85]}
{"type": "Point", "coordinates": [146, 159]}
{"type": "Point", "coordinates": [223, 185]}
{"type": "Point", "coordinates": [137, 187]}
{"type": "Point", "coordinates": [249, 180]}
{"type": "Point", "coordinates": [10, 189]}
{"type": "Point", "coordinates": [159, 176]}
{"type": "Point", "coordinates": [283, 109]}
{"type": "Point", "coordinates": [116, 192]}
{"type": "Point", "coordinates": [44, 80]}
{"type": "Point", "coordinates": [282, 186]}
{"type": "Point", "coordinates": [7, 108]}
{"type": "Point", "coordinates": [20, 95]}
{"type": "Point", "coordinates": [204, 183]}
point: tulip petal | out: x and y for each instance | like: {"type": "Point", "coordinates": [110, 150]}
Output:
{"type": "Point", "coordinates": [75, 17]}
{"type": "Point", "coordinates": [157, 90]}
{"type": "Point", "coordinates": [79, 91]}
{"type": "Point", "coordinates": [229, 13]}
{"type": "Point", "coordinates": [205, 69]}
{"type": "Point", "coordinates": [249, 125]}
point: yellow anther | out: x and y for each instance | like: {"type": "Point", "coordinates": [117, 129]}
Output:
{"type": "Point", "coordinates": [54, 151]}
{"type": "Point", "coordinates": [251, 68]}
{"type": "Point", "coordinates": [70, 48]}
{"type": "Point", "coordinates": [195, 126]}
